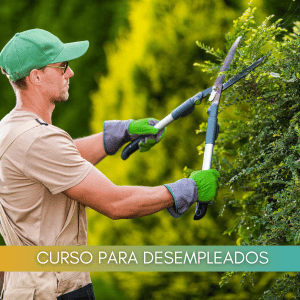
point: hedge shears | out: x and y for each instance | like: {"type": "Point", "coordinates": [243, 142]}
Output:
{"type": "Point", "coordinates": [188, 107]}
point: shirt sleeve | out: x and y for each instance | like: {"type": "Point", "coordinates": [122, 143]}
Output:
{"type": "Point", "coordinates": [54, 161]}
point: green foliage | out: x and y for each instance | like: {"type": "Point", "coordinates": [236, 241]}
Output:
{"type": "Point", "coordinates": [258, 149]}
{"type": "Point", "coordinates": [287, 287]}
{"type": "Point", "coordinates": [106, 290]}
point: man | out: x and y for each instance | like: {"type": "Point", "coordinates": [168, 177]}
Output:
{"type": "Point", "coordinates": [47, 179]}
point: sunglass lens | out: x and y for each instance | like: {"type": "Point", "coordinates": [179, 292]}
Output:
{"type": "Point", "coordinates": [66, 67]}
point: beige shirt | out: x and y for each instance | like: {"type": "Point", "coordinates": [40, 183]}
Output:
{"type": "Point", "coordinates": [34, 171]}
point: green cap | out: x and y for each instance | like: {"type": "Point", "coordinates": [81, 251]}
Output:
{"type": "Point", "coordinates": [35, 49]}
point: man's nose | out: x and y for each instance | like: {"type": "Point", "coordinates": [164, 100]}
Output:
{"type": "Point", "coordinates": [69, 73]}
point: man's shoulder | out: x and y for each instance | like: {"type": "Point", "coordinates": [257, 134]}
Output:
{"type": "Point", "coordinates": [17, 116]}
{"type": "Point", "coordinates": [44, 131]}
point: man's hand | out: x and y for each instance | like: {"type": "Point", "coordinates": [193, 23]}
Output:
{"type": "Point", "coordinates": [142, 127]}
{"type": "Point", "coordinates": [207, 183]}
{"type": "Point", "coordinates": [117, 133]}
{"type": "Point", "coordinates": [200, 186]}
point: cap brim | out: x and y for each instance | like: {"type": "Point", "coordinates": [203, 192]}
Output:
{"type": "Point", "coordinates": [72, 51]}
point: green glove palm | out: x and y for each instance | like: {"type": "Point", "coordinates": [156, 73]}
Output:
{"type": "Point", "coordinates": [207, 183]}
{"type": "Point", "coordinates": [146, 127]}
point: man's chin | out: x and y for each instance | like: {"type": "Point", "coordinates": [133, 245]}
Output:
{"type": "Point", "coordinates": [61, 99]}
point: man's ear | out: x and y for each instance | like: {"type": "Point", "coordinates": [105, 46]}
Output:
{"type": "Point", "coordinates": [35, 77]}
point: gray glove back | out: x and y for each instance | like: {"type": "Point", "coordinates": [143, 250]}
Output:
{"type": "Point", "coordinates": [201, 186]}
{"type": "Point", "coordinates": [185, 194]}
{"type": "Point", "coordinates": [115, 135]}
{"type": "Point", "coordinates": [118, 133]}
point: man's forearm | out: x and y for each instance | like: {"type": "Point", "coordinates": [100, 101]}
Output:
{"type": "Point", "coordinates": [138, 201]}
{"type": "Point", "coordinates": [91, 148]}
{"type": "Point", "coordinates": [119, 202]}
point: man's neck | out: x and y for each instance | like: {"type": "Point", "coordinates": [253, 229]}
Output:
{"type": "Point", "coordinates": [43, 109]}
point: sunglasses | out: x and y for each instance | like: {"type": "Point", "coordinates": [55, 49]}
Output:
{"type": "Point", "coordinates": [64, 67]}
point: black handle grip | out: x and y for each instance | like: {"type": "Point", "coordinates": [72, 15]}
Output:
{"type": "Point", "coordinates": [131, 148]}
{"type": "Point", "coordinates": [200, 210]}
{"type": "Point", "coordinates": [184, 109]}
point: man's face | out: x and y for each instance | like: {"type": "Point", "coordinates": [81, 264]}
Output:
{"type": "Point", "coordinates": [57, 82]}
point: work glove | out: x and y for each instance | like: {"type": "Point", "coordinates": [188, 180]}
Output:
{"type": "Point", "coordinates": [201, 186]}
{"type": "Point", "coordinates": [118, 133]}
